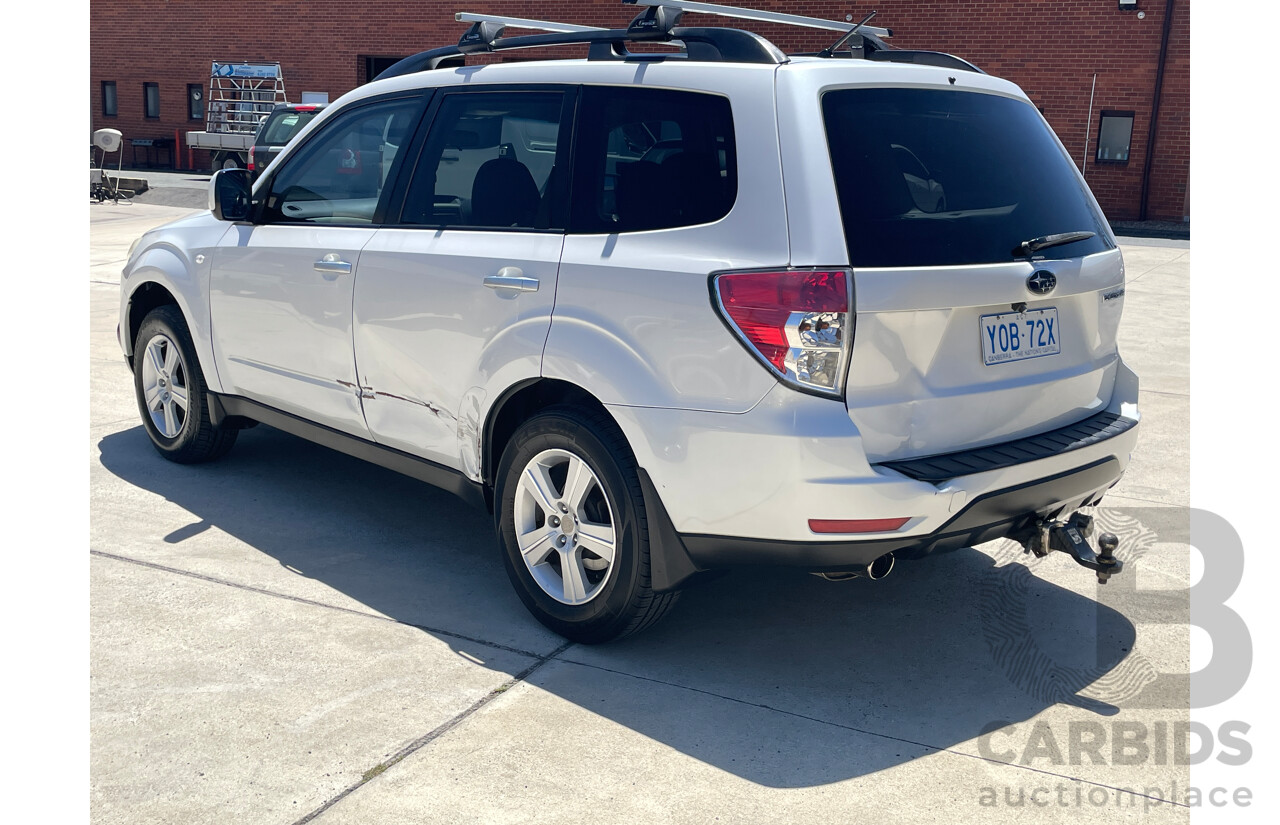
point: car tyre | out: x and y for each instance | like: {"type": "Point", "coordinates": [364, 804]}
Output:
{"type": "Point", "coordinates": [572, 525]}
{"type": "Point", "coordinates": [173, 398]}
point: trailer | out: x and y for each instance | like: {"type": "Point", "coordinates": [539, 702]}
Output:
{"type": "Point", "coordinates": [241, 95]}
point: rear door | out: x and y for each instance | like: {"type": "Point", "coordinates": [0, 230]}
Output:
{"type": "Point", "coordinates": [963, 337]}
{"type": "Point", "coordinates": [454, 301]}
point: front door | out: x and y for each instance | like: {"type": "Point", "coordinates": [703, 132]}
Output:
{"type": "Point", "coordinates": [281, 289]}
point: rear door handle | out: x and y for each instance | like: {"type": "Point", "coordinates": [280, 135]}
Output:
{"type": "Point", "coordinates": [511, 277]}
{"type": "Point", "coordinates": [332, 264]}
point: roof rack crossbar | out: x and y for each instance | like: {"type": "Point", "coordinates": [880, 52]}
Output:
{"type": "Point", "coordinates": [487, 28]}
{"type": "Point", "coordinates": [522, 23]}
{"type": "Point", "coordinates": [701, 43]}
{"type": "Point", "coordinates": [763, 16]}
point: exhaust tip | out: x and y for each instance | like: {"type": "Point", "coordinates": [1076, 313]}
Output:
{"type": "Point", "coordinates": [878, 569]}
{"type": "Point", "coordinates": [881, 567]}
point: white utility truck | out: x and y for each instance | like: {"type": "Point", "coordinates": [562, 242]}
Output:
{"type": "Point", "coordinates": [240, 96]}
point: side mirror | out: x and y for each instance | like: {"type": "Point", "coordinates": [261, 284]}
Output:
{"type": "Point", "coordinates": [231, 194]}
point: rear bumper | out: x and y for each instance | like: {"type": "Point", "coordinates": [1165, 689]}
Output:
{"type": "Point", "coordinates": [731, 490]}
{"type": "Point", "coordinates": [765, 473]}
{"type": "Point", "coordinates": [999, 514]}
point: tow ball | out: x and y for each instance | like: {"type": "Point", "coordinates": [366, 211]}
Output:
{"type": "Point", "coordinates": [1072, 537]}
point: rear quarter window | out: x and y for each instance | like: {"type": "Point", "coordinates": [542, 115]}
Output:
{"type": "Point", "coordinates": [931, 177]}
{"type": "Point", "coordinates": [652, 159]}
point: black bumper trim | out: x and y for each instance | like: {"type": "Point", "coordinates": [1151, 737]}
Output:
{"type": "Point", "coordinates": [1010, 512]}
{"type": "Point", "coordinates": [939, 468]}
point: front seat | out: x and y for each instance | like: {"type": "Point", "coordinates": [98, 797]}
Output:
{"type": "Point", "coordinates": [504, 194]}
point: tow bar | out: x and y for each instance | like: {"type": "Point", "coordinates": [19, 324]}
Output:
{"type": "Point", "coordinates": [1071, 537]}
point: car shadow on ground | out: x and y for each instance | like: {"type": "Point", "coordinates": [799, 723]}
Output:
{"type": "Point", "coordinates": [873, 673]}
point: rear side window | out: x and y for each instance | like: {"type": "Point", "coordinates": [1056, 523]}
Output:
{"type": "Point", "coordinates": [283, 125]}
{"type": "Point", "coordinates": [652, 159]}
{"type": "Point", "coordinates": [490, 162]}
{"type": "Point", "coordinates": [942, 177]}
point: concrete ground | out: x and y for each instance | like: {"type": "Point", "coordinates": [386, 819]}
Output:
{"type": "Point", "coordinates": [291, 636]}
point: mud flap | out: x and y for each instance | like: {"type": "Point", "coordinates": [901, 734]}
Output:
{"type": "Point", "coordinates": [670, 567]}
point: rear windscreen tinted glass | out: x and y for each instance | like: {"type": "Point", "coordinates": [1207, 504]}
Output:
{"type": "Point", "coordinates": [282, 126]}
{"type": "Point", "coordinates": [939, 177]}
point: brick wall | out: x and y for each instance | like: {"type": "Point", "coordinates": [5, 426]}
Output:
{"type": "Point", "coordinates": [1051, 48]}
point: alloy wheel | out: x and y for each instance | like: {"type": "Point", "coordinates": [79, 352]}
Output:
{"type": "Point", "coordinates": [164, 386]}
{"type": "Point", "coordinates": [565, 527]}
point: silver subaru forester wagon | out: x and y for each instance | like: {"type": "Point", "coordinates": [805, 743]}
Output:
{"type": "Point", "coordinates": [665, 313]}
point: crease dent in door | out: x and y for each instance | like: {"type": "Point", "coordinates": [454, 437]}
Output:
{"type": "Point", "coordinates": [469, 429]}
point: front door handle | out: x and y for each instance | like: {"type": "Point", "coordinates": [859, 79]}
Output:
{"type": "Point", "coordinates": [332, 264]}
{"type": "Point", "coordinates": [511, 277]}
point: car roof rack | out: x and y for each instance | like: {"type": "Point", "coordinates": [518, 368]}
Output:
{"type": "Point", "coordinates": [659, 23]}
{"type": "Point", "coordinates": [864, 41]}
{"type": "Point", "coordinates": [763, 16]}
{"type": "Point", "coordinates": [487, 28]}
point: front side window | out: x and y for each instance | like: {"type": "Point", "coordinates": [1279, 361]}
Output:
{"type": "Point", "coordinates": [942, 177]}
{"type": "Point", "coordinates": [1115, 130]}
{"type": "Point", "coordinates": [340, 175]}
{"type": "Point", "coordinates": [653, 159]}
{"type": "Point", "coordinates": [489, 162]}
{"type": "Point", "coordinates": [151, 99]}
{"type": "Point", "coordinates": [109, 102]}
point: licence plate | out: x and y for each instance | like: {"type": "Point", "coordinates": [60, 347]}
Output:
{"type": "Point", "coordinates": [1017, 336]}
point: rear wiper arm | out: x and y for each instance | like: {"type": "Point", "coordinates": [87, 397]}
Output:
{"type": "Point", "coordinates": [1036, 244]}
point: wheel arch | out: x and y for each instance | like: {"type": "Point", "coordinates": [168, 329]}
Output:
{"type": "Point", "coordinates": [148, 295]}
{"type": "Point", "coordinates": [517, 404]}
{"type": "Point", "coordinates": [163, 275]}
{"type": "Point", "coordinates": [671, 566]}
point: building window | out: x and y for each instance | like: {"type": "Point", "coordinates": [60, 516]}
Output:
{"type": "Point", "coordinates": [195, 101]}
{"type": "Point", "coordinates": [151, 99]}
{"type": "Point", "coordinates": [374, 66]}
{"type": "Point", "coordinates": [109, 106]}
{"type": "Point", "coordinates": [1114, 132]}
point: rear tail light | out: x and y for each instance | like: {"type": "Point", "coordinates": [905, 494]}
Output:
{"type": "Point", "coordinates": [251, 148]}
{"type": "Point", "coordinates": [799, 322]}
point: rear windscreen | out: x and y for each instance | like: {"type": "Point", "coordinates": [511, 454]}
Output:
{"type": "Point", "coordinates": [283, 126]}
{"type": "Point", "coordinates": [940, 177]}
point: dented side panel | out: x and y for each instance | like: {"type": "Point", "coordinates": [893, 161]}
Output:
{"type": "Point", "coordinates": [434, 344]}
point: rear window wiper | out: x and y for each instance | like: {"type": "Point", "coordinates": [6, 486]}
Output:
{"type": "Point", "coordinates": [1034, 245]}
